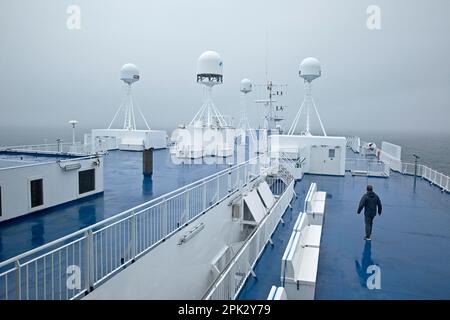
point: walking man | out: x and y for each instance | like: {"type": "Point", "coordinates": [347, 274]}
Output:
{"type": "Point", "coordinates": [370, 202]}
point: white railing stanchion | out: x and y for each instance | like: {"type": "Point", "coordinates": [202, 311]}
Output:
{"type": "Point", "coordinates": [205, 205]}
{"type": "Point", "coordinates": [133, 235]}
{"type": "Point", "coordinates": [89, 261]}
{"type": "Point", "coordinates": [18, 281]}
{"type": "Point", "coordinates": [163, 231]}
{"type": "Point", "coordinates": [186, 212]}
{"type": "Point", "coordinates": [133, 232]}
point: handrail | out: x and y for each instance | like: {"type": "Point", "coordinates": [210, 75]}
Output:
{"type": "Point", "coordinates": [34, 164]}
{"type": "Point", "coordinates": [124, 213]}
{"type": "Point", "coordinates": [63, 148]}
{"type": "Point", "coordinates": [132, 233]}
{"type": "Point", "coordinates": [434, 177]}
{"type": "Point", "coordinates": [271, 218]}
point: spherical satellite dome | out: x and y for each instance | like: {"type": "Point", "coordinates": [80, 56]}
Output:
{"type": "Point", "coordinates": [209, 68]}
{"type": "Point", "coordinates": [246, 86]}
{"type": "Point", "coordinates": [310, 69]}
{"type": "Point", "coordinates": [129, 73]}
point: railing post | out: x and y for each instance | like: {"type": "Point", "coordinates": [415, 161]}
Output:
{"type": "Point", "coordinates": [89, 261]}
{"type": "Point", "coordinates": [229, 181]}
{"type": "Point", "coordinates": [415, 170]}
{"type": "Point", "coordinates": [18, 281]}
{"type": "Point", "coordinates": [204, 196]}
{"type": "Point", "coordinates": [218, 188]}
{"type": "Point", "coordinates": [164, 219]}
{"type": "Point", "coordinates": [186, 211]}
{"type": "Point", "coordinates": [133, 235]}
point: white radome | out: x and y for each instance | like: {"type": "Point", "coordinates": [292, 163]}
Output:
{"type": "Point", "coordinates": [210, 63]}
{"type": "Point", "coordinates": [129, 73]}
{"type": "Point", "coordinates": [310, 69]}
{"type": "Point", "coordinates": [246, 85]}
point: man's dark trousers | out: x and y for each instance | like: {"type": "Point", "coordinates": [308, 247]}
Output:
{"type": "Point", "coordinates": [368, 220]}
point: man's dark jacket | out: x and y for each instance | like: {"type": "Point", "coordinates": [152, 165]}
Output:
{"type": "Point", "coordinates": [370, 201]}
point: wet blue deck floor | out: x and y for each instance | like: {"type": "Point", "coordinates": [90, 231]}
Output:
{"type": "Point", "coordinates": [124, 188]}
{"type": "Point", "coordinates": [410, 241]}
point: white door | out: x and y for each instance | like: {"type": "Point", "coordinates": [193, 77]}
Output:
{"type": "Point", "coordinates": [316, 159]}
{"type": "Point", "coordinates": [331, 160]}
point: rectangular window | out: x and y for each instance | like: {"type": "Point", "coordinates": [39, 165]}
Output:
{"type": "Point", "coordinates": [331, 153]}
{"type": "Point", "coordinates": [86, 181]}
{"type": "Point", "coordinates": [37, 193]}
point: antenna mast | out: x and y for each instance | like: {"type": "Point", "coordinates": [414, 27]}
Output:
{"type": "Point", "coordinates": [209, 74]}
{"type": "Point", "coordinates": [310, 70]}
{"type": "Point", "coordinates": [129, 74]}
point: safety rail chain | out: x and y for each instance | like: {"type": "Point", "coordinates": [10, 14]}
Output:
{"type": "Point", "coordinates": [232, 279]}
{"type": "Point", "coordinates": [74, 265]}
{"type": "Point", "coordinates": [434, 177]}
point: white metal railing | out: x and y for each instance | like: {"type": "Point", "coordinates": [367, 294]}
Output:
{"type": "Point", "coordinates": [434, 177]}
{"type": "Point", "coordinates": [51, 148]}
{"type": "Point", "coordinates": [354, 143]}
{"type": "Point", "coordinates": [60, 162]}
{"type": "Point", "coordinates": [231, 281]}
{"type": "Point", "coordinates": [393, 163]}
{"type": "Point", "coordinates": [281, 174]}
{"type": "Point", "coordinates": [368, 166]}
{"type": "Point", "coordinates": [292, 162]}
{"type": "Point", "coordinates": [73, 265]}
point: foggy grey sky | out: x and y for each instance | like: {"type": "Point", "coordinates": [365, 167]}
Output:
{"type": "Point", "coordinates": [393, 79]}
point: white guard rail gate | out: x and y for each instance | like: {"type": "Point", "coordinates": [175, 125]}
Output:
{"type": "Point", "coordinates": [72, 266]}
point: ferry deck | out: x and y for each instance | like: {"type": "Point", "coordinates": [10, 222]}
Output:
{"type": "Point", "coordinates": [410, 241]}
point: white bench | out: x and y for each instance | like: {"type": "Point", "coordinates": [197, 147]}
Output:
{"type": "Point", "coordinates": [277, 293]}
{"type": "Point", "coordinates": [310, 234]}
{"type": "Point", "coordinates": [315, 205]}
{"type": "Point", "coordinates": [300, 261]}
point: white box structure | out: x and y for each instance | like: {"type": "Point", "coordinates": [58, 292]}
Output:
{"type": "Point", "coordinates": [324, 155]}
{"type": "Point", "coordinates": [197, 142]}
{"type": "Point", "coordinates": [130, 140]}
{"type": "Point", "coordinates": [60, 182]}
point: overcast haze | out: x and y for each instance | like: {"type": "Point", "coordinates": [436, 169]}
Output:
{"type": "Point", "coordinates": [393, 79]}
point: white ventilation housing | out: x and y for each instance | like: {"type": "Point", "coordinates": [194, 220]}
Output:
{"type": "Point", "coordinates": [129, 73]}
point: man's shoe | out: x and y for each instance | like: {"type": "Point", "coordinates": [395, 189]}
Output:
{"type": "Point", "coordinates": [367, 239]}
